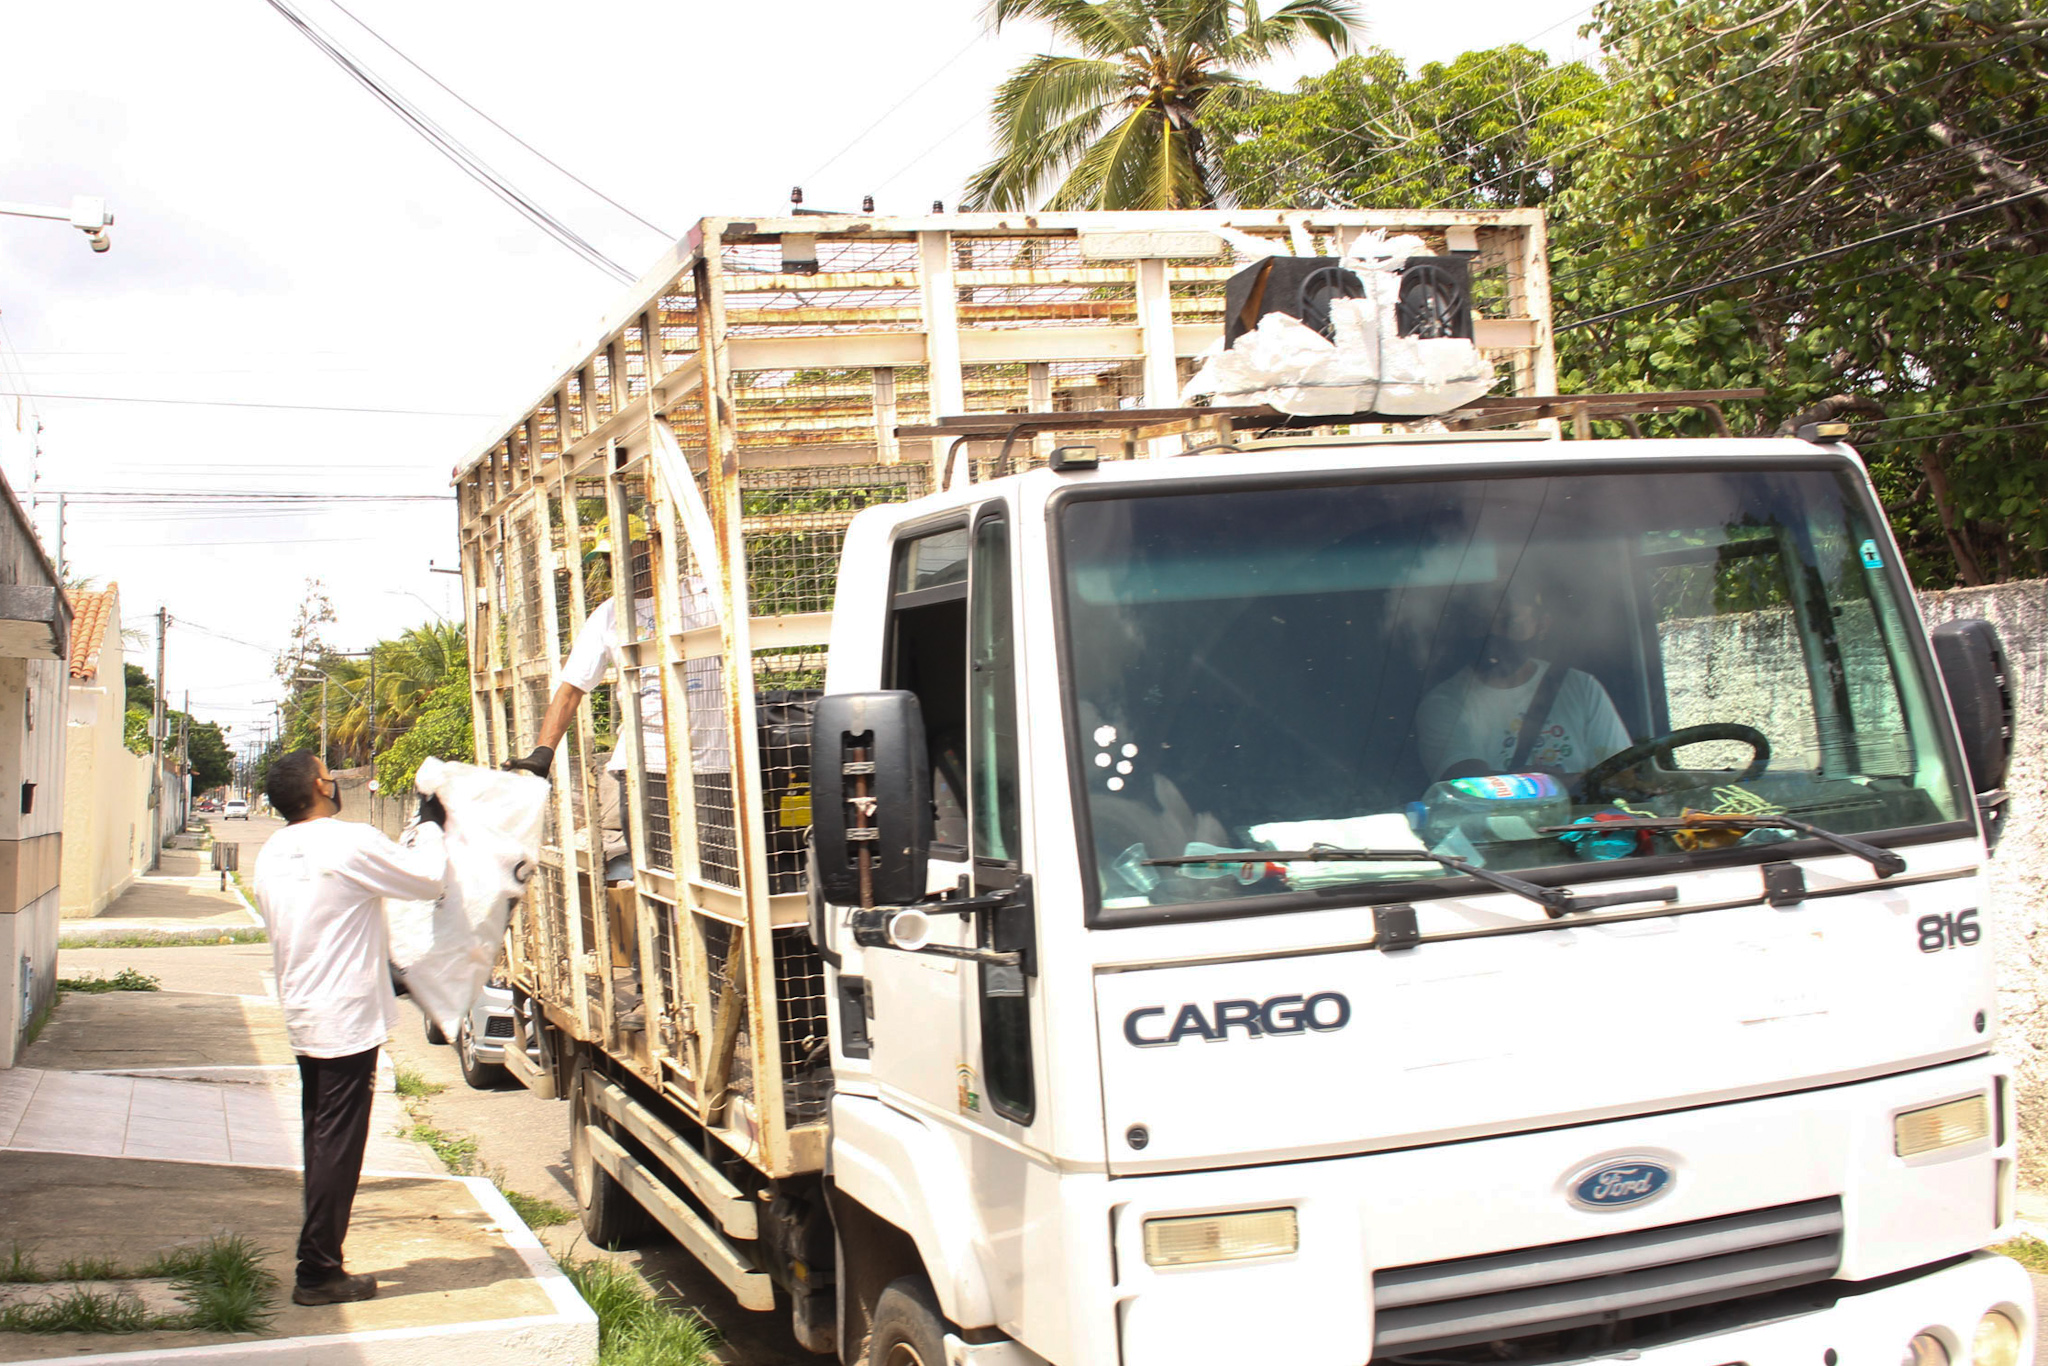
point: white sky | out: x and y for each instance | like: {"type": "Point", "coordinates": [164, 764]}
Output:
{"type": "Point", "coordinates": [280, 237]}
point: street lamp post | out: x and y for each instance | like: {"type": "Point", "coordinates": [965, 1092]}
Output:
{"type": "Point", "coordinates": [88, 213]}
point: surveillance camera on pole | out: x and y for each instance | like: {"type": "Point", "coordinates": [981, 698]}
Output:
{"type": "Point", "coordinates": [88, 213]}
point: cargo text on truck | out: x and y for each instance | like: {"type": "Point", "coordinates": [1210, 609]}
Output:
{"type": "Point", "coordinates": [1086, 961]}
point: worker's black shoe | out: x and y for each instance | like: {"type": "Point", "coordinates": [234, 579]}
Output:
{"type": "Point", "coordinates": [342, 1288]}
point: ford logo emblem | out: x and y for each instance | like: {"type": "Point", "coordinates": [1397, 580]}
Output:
{"type": "Point", "coordinates": [1618, 1182]}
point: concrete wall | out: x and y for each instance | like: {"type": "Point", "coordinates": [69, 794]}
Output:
{"type": "Point", "coordinates": [32, 745]}
{"type": "Point", "coordinates": [106, 788]}
{"type": "Point", "coordinates": [1720, 661]}
{"type": "Point", "coordinates": [2017, 903]}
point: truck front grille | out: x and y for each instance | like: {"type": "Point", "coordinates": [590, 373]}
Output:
{"type": "Point", "coordinates": [1512, 1295]}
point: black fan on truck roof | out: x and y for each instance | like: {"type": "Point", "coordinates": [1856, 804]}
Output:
{"type": "Point", "coordinates": [1435, 298]}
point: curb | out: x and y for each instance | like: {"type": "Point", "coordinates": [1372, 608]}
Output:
{"type": "Point", "coordinates": [566, 1337]}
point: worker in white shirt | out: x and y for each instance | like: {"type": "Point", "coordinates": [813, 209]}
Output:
{"type": "Point", "coordinates": [320, 885]}
{"type": "Point", "coordinates": [593, 656]}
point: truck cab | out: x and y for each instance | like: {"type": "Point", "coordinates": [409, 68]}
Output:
{"type": "Point", "coordinates": [1216, 972]}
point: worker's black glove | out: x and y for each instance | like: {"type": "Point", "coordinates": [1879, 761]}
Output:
{"type": "Point", "coordinates": [537, 763]}
{"type": "Point", "coordinates": [432, 812]}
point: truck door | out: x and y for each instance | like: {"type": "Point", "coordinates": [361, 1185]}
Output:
{"type": "Point", "coordinates": [949, 1035]}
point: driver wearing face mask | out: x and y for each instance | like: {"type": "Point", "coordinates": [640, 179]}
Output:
{"type": "Point", "coordinates": [1511, 712]}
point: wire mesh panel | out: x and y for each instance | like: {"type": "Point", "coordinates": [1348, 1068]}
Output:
{"type": "Point", "coordinates": [795, 520]}
{"type": "Point", "coordinates": [787, 684]}
{"type": "Point", "coordinates": [801, 1030]}
{"type": "Point", "coordinates": [666, 974]}
{"type": "Point", "coordinates": [726, 1026]}
{"type": "Point", "coordinates": [718, 857]}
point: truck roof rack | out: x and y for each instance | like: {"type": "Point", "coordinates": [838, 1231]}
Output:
{"type": "Point", "coordinates": [1143, 424]}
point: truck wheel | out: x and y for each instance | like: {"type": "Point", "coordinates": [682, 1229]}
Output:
{"type": "Point", "coordinates": [612, 1218]}
{"type": "Point", "coordinates": [482, 1076]}
{"type": "Point", "coordinates": [908, 1330]}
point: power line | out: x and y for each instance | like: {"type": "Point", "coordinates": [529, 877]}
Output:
{"type": "Point", "coordinates": [437, 137]}
{"type": "Point", "coordinates": [1763, 180]}
{"type": "Point", "coordinates": [1607, 134]}
{"type": "Point", "coordinates": [231, 403]}
{"type": "Point", "coordinates": [653, 228]}
{"type": "Point", "coordinates": [1767, 177]}
{"type": "Point", "coordinates": [1807, 259]}
{"type": "Point", "coordinates": [1963, 431]}
{"type": "Point", "coordinates": [861, 136]}
{"type": "Point", "coordinates": [253, 495]}
{"type": "Point", "coordinates": [1513, 92]}
{"type": "Point", "coordinates": [1948, 412]}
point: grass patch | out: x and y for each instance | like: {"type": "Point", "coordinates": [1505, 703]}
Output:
{"type": "Point", "coordinates": [537, 1212]}
{"type": "Point", "coordinates": [412, 1082]}
{"type": "Point", "coordinates": [633, 1327]}
{"type": "Point", "coordinates": [222, 1282]}
{"type": "Point", "coordinates": [456, 1151]}
{"type": "Point", "coordinates": [35, 1028]}
{"type": "Point", "coordinates": [2030, 1253]}
{"type": "Point", "coordinates": [127, 979]}
{"type": "Point", "coordinates": [166, 939]}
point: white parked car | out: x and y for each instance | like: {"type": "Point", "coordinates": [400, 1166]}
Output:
{"type": "Point", "coordinates": [235, 810]}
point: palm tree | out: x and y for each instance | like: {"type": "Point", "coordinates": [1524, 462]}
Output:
{"type": "Point", "coordinates": [409, 669]}
{"type": "Point", "coordinates": [1120, 126]}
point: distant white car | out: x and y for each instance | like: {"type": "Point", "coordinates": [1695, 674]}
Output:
{"type": "Point", "coordinates": [235, 810]}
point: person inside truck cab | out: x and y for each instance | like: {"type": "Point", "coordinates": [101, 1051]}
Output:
{"type": "Point", "coordinates": [1510, 711]}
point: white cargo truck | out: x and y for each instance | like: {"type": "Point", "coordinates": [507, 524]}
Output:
{"type": "Point", "coordinates": [1060, 878]}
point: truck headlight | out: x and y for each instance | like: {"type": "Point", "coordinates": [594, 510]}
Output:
{"type": "Point", "coordinates": [1193, 1240]}
{"type": "Point", "coordinates": [1997, 1342]}
{"type": "Point", "coordinates": [1941, 1126]}
{"type": "Point", "coordinates": [1925, 1350]}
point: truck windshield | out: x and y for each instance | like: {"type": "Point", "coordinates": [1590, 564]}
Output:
{"type": "Point", "coordinates": [1467, 665]}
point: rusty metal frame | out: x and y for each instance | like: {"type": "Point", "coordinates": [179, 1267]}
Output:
{"type": "Point", "coordinates": [908, 321]}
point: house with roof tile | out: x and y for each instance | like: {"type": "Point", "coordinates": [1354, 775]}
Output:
{"type": "Point", "coordinates": [106, 788]}
{"type": "Point", "coordinates": [35, 642]}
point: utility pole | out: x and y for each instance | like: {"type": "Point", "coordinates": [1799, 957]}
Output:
{"type": "Point", "coordinates": [373, 713]}
{"type": "Point", "coordinates": [156, 744]}
{"type": "Point", "coordinates": [60, 536]}
{"type": "Point", "coordinates": [323, 718]}
{"type": "Point", "coordinates": [185, 761]}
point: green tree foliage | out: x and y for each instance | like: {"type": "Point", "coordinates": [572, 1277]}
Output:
{"type": "Point", "coordinates": [407, 672]}
{"type": "Point", "coordinates": [140, 706]}
{"type": "Point", "coordinates": [1744, 138]}
{"type": "Point", "coordinates": [1122, 124]}
{"type": "Point", "coordinates": [212, 765]}
{"type": "Point", "coordinates": [1478, 132]}
{"type": "Point", "coordinates": [441, 730]}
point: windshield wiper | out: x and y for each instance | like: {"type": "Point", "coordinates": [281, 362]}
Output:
{"type": "Point", "coordinates": [1556, 902]}
{"type": "Point", "coordinates": [1882, 861]}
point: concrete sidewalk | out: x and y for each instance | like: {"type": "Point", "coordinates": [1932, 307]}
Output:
{"type": "Point", "coordinates": [181, 894]}
{"type": "Point", "coordinates": [141, 1122]}
{"type": "Point", "coordinates": [93, 1114]}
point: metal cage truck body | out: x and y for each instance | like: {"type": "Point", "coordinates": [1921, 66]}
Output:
{"type": "Point", "coordinates": [1117, 884]}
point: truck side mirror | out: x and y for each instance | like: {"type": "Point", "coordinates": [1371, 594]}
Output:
{"type": "Point", "coordinates": [1979, 682]}
{"type": "Point", "coordinates": [871, 789]}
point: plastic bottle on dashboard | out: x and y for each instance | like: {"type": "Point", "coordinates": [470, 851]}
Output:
{"type": "Point", "coordinates": [1498, 806]}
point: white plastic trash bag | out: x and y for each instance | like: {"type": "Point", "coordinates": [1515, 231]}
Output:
{"type": "Point", "coordinates": [1365, 366]}
{"type": "Point", "coordinates": [444, 950]}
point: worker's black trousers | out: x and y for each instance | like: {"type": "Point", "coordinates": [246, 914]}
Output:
{"type": "Point", "coordinates": [334, 1101]}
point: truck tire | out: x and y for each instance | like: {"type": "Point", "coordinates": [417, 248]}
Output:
{"type": "Point", "coordinates": [907, 1328]}
{"type": "Point", "coordinates": [434, 1034]}
{"type": "Point", "coordinates": [481, 1076]}
{"type": "Point", "coordinates": [611, 1217]}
